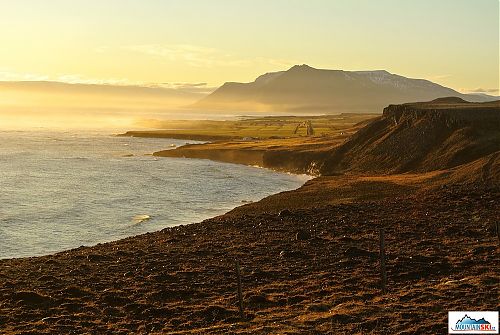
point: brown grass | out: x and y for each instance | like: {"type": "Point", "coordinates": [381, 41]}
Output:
{"type": "Point", "coordinates": [309, 257]}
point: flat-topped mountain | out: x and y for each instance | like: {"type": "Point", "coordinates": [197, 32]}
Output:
{"type": "Point", "coordinates": [306, 89]}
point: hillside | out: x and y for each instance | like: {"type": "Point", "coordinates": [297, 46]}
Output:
{"type": "Point", "coordinates": [416, 137]}
{"type": "Point", "coordinates": [252, 128]}
{"type": "Point", "coordinates": [306, 89]}
{"type": "Point", "coordinates": [309, 258]}
{"type": "Point", "coordinates": [420, 137]}
{"type": "Point", "coordinates": [59, 104]}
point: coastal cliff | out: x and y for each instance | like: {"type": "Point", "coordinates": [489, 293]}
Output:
{"type": "Point", "coordinates": [284, 160]}
{"type": "Point", "coordinates": [309, 258]}
{"type": "Point", "coordinates": [420, 137]}
{"type": "Point", "coordinates": [417, 137]}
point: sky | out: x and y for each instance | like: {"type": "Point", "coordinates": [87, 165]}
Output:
{"type": "Point", "coordinates": [200, 43]}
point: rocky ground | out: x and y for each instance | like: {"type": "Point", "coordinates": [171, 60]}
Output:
{"type": "Point", "coordinates": [308, 267]}
{"type": "Point", "coordinates": [310, 257]}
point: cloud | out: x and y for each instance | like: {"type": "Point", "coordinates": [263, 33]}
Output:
{"type": "Point", "coordinates": [194, 87]}
{"type": "Point", "coordinates": [81, 79]}
{"type": "Point", "coordinates": [482, 90]}
{"type": "Point", "coordinates": [8, 75]}
{"type": "Point", "coordinates": [195, 56]}
{"type": "Point", "coordinates": [190, 84]}
{"type": "Point", "coordinates": [440, 76]}
{"type": "Point", "coordinates": [199, 56]}
{"type": "Point", "coordinates": [13, 76]}
{"type": "Point", "coordinates": [188, 87]}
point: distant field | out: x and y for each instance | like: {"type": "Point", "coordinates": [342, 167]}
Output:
{"type": "Point", "coordinates": [261, 128]}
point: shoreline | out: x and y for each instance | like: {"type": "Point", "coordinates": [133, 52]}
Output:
{"type": "Point", "coordinates": [309, 258]}
{"type": "Point", "coordinates": [301, 178]}
{"type": "Point", "coordinates": [174, 136]}
{"type": "Point", "coordinates": [308, 262]}
{"type": "Point", "coordinates": [249, 153]}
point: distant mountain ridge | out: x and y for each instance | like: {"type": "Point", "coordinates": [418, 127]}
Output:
{"type": "Point", "coordinates": [305, 89]}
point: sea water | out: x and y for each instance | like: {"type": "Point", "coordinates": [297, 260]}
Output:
{"type": "Point", "coordinates": [63, 189]}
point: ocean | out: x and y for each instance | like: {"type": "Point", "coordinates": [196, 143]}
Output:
{"type": "Point", "coordinates": [63, 189]}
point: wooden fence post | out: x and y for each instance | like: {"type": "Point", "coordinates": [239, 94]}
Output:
{"type": "Point", "coordinates": [498, 231]}
{"type": "Point", "coordinates": [383, 273]}
{"type": "Point", "coordinates": [240, 295]}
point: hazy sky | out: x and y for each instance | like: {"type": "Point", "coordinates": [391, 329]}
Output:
{"type": "Point", "coordinates": [452, 42]}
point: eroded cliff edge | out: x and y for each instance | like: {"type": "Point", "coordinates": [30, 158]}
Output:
{"type": "Point", "coordinates": [416, 137]}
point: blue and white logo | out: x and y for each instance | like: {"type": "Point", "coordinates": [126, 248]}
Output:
{"type": "Point", "coordinates": [471, 322]}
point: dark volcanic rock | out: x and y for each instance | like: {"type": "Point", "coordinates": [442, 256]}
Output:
{"type": "Point", "coordinates": [303, 235]}
{"type": "Point", "coordinates": [437, 259]}
{"type": "Point", "coordinates": [284, 213]}
{"type": "Point", "coordinates": [357, 252]}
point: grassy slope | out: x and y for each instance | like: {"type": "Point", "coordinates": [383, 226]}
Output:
{"type": "Point", "coordinates": [261, 128]}
{"type": "Point", "coordinates": [414, 137]}
{"type": "Point", "coordinates": [309, 261]}
{"type": "Point", "coordinates": [274, 143]}
{"type": "Point", "coordinates": [309, 266]}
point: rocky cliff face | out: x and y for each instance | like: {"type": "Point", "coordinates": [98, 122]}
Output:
{"type": "Point", "coordinates": [420, 137]}
{"type": "Point", "coordinates": [445, 134]}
